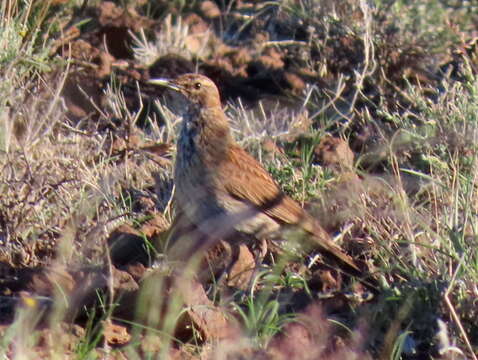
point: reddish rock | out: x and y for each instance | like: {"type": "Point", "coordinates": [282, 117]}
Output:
{"type": "Point", "coordinates": [242, 269]}
{"type": "Point", "coordinates": [200, 313]}
{"type": "Point", "coordinates": [210, 10]}
{"type": "Point", "coordinates": [155, 226]}
{"type": "Point", "coordinates": [295, 82]}
{"type": "Point", "coordinates": [335, 153]}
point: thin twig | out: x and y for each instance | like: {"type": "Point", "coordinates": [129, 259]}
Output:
{"type": "Point", "coordinates": [453, 312]}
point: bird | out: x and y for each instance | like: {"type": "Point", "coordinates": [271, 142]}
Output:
{"type": "Point", "coordinates": [220, 188]}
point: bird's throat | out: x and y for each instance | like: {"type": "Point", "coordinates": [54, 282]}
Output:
{"type": "Point", "coordinates": [205, 136]}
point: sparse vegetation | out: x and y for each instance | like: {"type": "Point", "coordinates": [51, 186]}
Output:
{"type": "Point", "coordinates": [365, 112]}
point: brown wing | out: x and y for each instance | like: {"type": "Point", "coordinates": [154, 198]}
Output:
{"type": "Point", "coordinates": [249, 181]}
{"type": "Point", "coordinates": [246, 179]}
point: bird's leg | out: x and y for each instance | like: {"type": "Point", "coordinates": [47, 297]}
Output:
{"type": "Point", "coordinates": [262, 251]}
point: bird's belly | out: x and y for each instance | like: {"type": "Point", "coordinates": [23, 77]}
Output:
{"type": "Point", "coordinates": [248, 219]}
{"type": "Point", "coordinates": [213, 210]}
{"type": "Point", "coordinates": [194, 193]}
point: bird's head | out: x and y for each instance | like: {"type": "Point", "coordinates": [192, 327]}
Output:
{"type": "Point", "coordinates": [197, 89]}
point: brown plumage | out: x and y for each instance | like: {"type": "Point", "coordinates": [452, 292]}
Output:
{"type": "Point", "coordinates": [220, 188]}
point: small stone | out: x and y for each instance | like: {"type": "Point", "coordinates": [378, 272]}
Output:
{"type": "Point", "coordinates": [335, 153]}
{"type": "Point", "coordinates": [242, 269]}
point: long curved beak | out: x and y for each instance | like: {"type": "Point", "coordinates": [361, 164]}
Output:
{"type": "Point", "coordinates": [170, 84]}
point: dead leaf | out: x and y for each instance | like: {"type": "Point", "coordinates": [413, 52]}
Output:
{"type": "Point", "coordinates": [115, 334]}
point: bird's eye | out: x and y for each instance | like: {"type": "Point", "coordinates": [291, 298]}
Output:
{"type": "Point", "coordinates": [197, 86]}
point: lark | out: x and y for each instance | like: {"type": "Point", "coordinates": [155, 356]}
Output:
{"type": "Point", "coordinates": [220, 189]}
